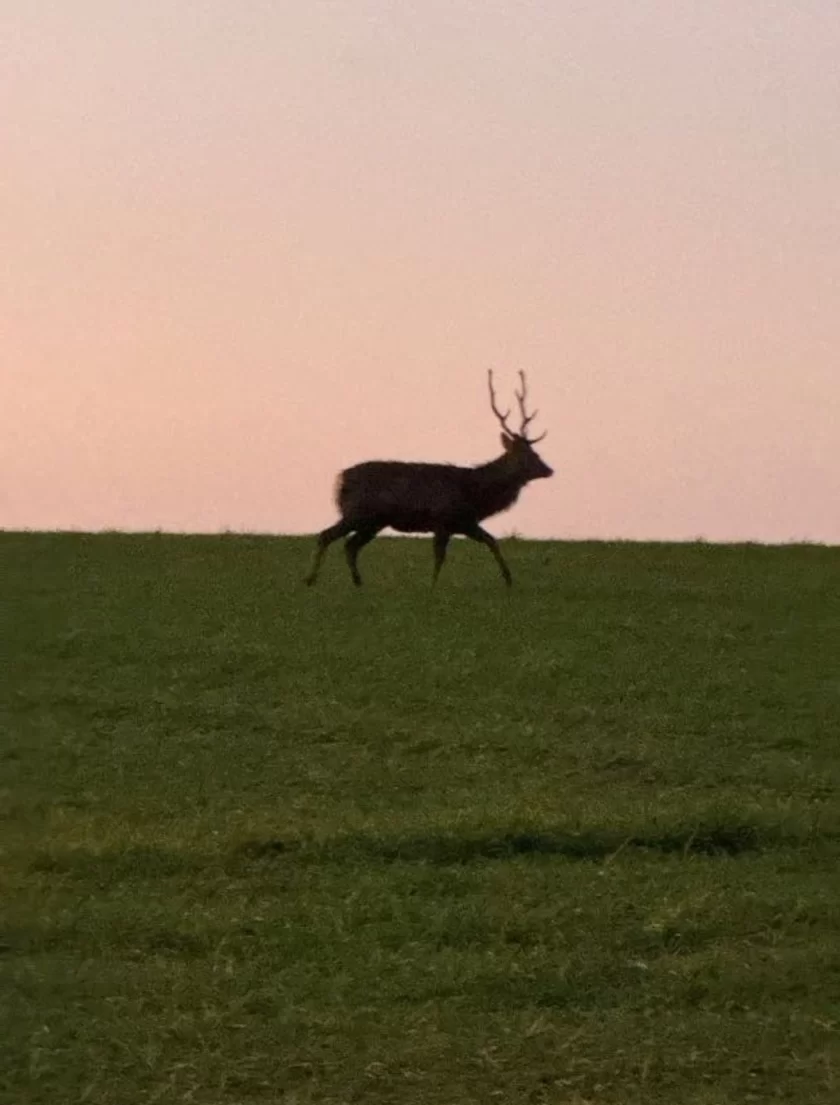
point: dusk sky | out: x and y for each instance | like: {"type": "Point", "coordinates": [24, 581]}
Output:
{"type": "Point", "coordinates": [246, 245]}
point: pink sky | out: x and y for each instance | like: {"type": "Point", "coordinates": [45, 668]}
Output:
{"type": "Point", "coordinates": [244, 246]}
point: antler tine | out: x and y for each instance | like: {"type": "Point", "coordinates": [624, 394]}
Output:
{"type": "Point", "coordinates": [527, 419]}
{"type": "Point", "coordinates": [501, 417]}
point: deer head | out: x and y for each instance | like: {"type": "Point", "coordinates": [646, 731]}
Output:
{"type": "Point", "coordinates": [518, 446]}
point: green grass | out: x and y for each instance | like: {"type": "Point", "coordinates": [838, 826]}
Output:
{"type": "Point", "coordinates": [577, 843]}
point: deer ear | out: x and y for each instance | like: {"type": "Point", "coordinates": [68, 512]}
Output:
{"type": "Point", "coordinates": [507, 442]}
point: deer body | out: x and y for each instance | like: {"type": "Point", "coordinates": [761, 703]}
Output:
{"type": "Point", "coordinates": [423, 498]}
{"type": "Point", "coordinates": [442, 499]}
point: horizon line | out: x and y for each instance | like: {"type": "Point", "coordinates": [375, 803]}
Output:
{"type": "Point", "coordinates": [793, 542]}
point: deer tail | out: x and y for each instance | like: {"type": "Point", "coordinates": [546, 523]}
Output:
{"type": "Point", "coordinates": [338, 489]}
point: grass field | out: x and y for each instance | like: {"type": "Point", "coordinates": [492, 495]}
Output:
{"type": "Point", "coordinates": [575, 843]}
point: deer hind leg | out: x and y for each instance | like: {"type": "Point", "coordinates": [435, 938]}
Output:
{"type": "Point", "coordinates": [485, 538]}
{"type": "Point", "coordinates": [325, 539]}
{"type": "Point", "coordinates": [354, 545]}
{"type": "Point", "coordinates": [441, 540]}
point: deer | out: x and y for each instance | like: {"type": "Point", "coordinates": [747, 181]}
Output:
{"type": "Point", "coordinates": [442, 499]}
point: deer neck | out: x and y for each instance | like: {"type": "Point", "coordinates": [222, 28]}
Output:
{"type": "Point", "coordinates": [499, 482]}
{"type": "Point", "coordinates": [501, 471]}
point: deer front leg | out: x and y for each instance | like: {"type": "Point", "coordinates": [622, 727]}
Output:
{"type": "Point", "coordinates": [485, 538]}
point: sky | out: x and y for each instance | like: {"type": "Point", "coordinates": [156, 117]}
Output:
{"type": "Point", "coordinates": [247, 245]}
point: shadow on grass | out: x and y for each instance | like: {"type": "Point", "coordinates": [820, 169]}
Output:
{"type": "Point", "coordinates": [708, 839]}
{"type": "Point", "coordinates": [711, 839]}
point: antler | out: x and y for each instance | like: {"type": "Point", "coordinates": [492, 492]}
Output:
{"type": "Point", "coordinates": [501, 417]}
{"type": "Point", "coordinates": [527, 419]}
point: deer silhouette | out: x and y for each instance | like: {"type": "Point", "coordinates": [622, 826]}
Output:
{"type": "Point", "coordinates": [441, 499]}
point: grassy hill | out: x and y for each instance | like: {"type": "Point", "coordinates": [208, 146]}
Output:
{"type": "Point", "coordinates": [575, 843]}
